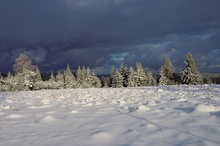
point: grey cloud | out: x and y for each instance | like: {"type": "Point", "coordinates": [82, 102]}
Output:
{"type": "Point", "coordinates": [101, 33]}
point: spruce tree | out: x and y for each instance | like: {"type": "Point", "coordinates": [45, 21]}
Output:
{"type": "Point", "coordinates": [69, 78]}
{"type": "Point", "coordinates": [131, 78]}
{"type": "Point", "coordinates": [79, 77]}
{"type": "Point", "coordinates": [189, 74]}
{"type": "Point", "coordinates": [59, 80]}
{"type": "Point", "coordinates": [117, 80]}
{"type": "Point", "coordinates": [112, 74]}
{"type": "Point", "coordinates": [38, 75]}
{"type": "Point", "coordinates": [86, 77]}
{"type": "Point", "coordinates": [95, 81]}
{"type": "Point", "coordinates": [124, 72]}
{"type": "Point", "coordinates": [7, 83]}
{"type": "Point", "coordinates": [150, 81]}
{"type": "Point", "coordinates": [52, 77]}
{"type": "Point", "coordinates": [140, 75]}
{"type": "Point", "coordinates": [167, 73]}
{"type": "Point", "coordinates": [51, 84]}
{"type": "Point", "coordinates": [39, 84]}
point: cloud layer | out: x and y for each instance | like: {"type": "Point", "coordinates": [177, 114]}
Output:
{"type": "Point", "coordinates": [102, 33]}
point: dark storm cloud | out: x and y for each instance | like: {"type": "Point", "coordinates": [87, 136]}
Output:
{"type": "Point", "coordinates": [101, 33]}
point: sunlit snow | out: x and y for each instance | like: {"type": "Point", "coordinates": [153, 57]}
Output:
{"type": "Point", "coordinates": [144, 116]}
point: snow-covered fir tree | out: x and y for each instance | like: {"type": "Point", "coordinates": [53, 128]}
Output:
{"type": "Point", "coordinates": [189, 74]}
{"type": "Point", "coordinates": [140, 75]}
{"type": "Point", "coordinates": [95, 81]}
{"type": "Point", "coordinates": [167, 73]}
{"type": "Point", "coordinates": [59, 80]}
{"type": "Point", "coordinates": [69, 78]}
{"type": "Point", "coordinates": [86, 78]}
{"type": "Point", "coordinates": [112, 74]}
{"type": "Point", "coordinates": [6, 84]}
{"type": "Point", "coordinates": [79, 77]}
{"type": "Point", "coordinates": [52, 77]}
{"type": "Point", "coordinates": [38, 75]}
{"type": "Point", "coordinates": [51, 83]}
{"type": "Point", "coordinates": [150, 80]}
{"type": "Point", "coordinates": [38, 81]}
{"type": "Point", "coordinates": [117, 79]}
{"type": "Point", "coordinates": [124, 71]}
{"type": "Point", "coordinates": [82, 77]}
{"type": "Point", "coordinates": [131, 78]}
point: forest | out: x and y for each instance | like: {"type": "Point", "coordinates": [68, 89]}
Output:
{"type": "Point", "coordinates": [27, 76]}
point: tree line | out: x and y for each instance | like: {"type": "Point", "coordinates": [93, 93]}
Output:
{"type": "Point", "coordinates": [130, 77]}
{"type": "Point", "coordinates": [28, 77]}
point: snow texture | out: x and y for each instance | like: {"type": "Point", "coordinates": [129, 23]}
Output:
{"type": "Point", "coordinates": [143, 116]}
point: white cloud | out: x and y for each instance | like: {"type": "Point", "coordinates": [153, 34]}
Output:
{"type": "Point", "coordinates": [37, 55]}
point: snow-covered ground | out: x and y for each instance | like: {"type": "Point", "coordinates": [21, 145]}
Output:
{"type": "Point", "coordinates": [146, 116]}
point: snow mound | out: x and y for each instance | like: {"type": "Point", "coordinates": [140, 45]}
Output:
{"type": "Point", "coordinates": [130, 108]}
{"type": "Point", "coordinates": [45, 101]}
{"type": "Point", "coordinates": [122, 102]}
{"type": "Point", "coordinates": [74, 112]}
{"type": "Point", "coordinates": [38, 107]}
{"type": "Point", "coordinates": [207, 108]}
{"type": "Point", "coordinates": [152, 103]}
{"type": "Point", "coordinates": [5, 107]}
{"type": "Point", "coordinates": [47, 119]}
{"type": "Point", "coordinates": [98, 103]}
{"type": "Point", "coordinates": [88, 104]}
{"type": "Point", "coordinates": [101, 136]}
{"type": "Point", "coordinates": [160, 91]}
{"type": "Point", "coordinates": [142, 108]}
{"type": "Point", "coordinates": [15, 116]}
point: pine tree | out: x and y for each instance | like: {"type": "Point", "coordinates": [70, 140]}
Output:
{"type": "Point", "coordinates": [52, 77]}
{"type": "Point", "coordinates": [7, 83]}
{"type": "Point", "coordinates": [112, 74]}
{"type": "Point", "coordinates": [59, 80]}
{"type": "Point", "coordinates": [167, 73]}
{"type": "Point", "coordinates": [51, 84]}
{"type": "Point", "coordinates": [69, 78]}
{"type": "Point", "coordinates": [38, 81]}
{"type": "Point", "coordinates": [38, 75]}
{"type": "Point", "coordinates": [117, 80]}
{"type": "Point", "coordinates": [131, 78]}
{"type": "Point", "coordinates": [79, 77]}
{"type": "Point", "coordinates": [95, 81]}
{"type": "Point", "coordinates": [189, 74]}
{"type": "Point", "coordinates": [140, 75]}
{"type": "Point", "coordinates": [124, 72]}
{"type": "Point", "coordinates": [150, 81]}
{"type": "Point", "coordinates": [86, 77]}
{"type": "Point", "coordinates": [163, 79]}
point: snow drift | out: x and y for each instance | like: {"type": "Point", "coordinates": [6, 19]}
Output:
{"type": "Point", "coordinates": [155, 116]}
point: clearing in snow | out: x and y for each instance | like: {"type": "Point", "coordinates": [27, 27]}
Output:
{"type": "Point", "coordinates": [154, 116]}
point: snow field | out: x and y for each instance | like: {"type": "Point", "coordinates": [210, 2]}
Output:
{"type": "Point", "coordinates": [155, 116]}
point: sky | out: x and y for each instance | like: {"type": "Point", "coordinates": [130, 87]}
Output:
{"type": "Point", "coordinates": [105, 33]}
